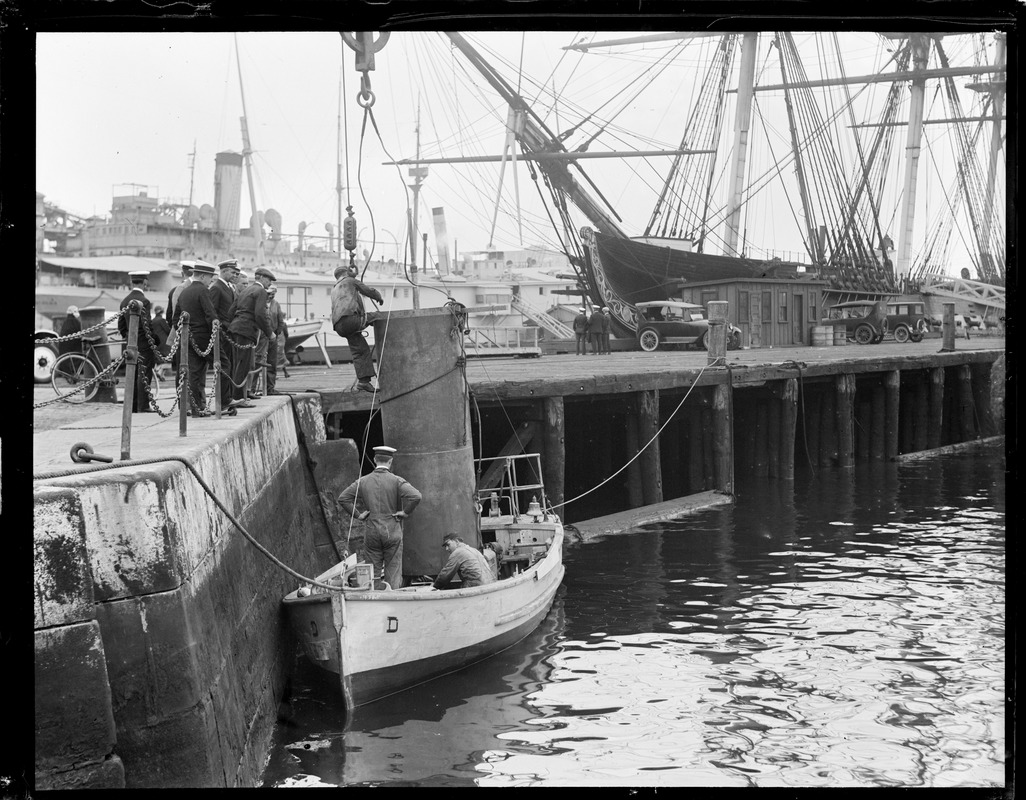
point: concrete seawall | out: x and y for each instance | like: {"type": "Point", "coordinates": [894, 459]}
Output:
{"type": "Point", "coordinates": [160, 646]}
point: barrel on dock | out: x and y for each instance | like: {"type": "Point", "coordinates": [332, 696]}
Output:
{"type": "Point", "coordinates": [840, 336]}
{"type": "Point", "coordinates": [822, 335]}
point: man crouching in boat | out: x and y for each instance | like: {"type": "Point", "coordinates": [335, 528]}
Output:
{"type": "Point", "coordinates": [386, 499]}
{"type": "Point", "coordinates": [464, 563]}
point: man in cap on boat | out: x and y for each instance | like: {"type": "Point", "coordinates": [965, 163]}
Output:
{"type": "Point", "coordinates": [195, 301]}
{"type": "Point", "coordinates": [464, 563]}
{"type": "Point", "coordinates": [606, 325]}
{"type": "Point", "coordinates": [348, 319]}
{"type": "Point", "coordinates": [146, 357]}
{"type": "Point", "coordinates": [581, 331]}
{"type": "Point", "coordinates": [172, 301]}
{"type": "Point", "coordinates": [594, 329]}
{"type": "Point", "coordinates": [248, 322]}
{"type": "Point", "coordinates": [222, 296]}
{"type": "Point", "coordinates": [382, 499]}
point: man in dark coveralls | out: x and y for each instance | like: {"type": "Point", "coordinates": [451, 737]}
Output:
{"type": "Point", "coordinates": [348, 319]}
{"type": "Point", "coordinates": [195, 301]}
{"type": "Point", "coordinates": [464, 563]}
{"type": "Point", "coordinates": [146, 360]}
{"type": "Point", "coordinates": [595, 322]}
{"type": "Point", "coordinates": [386, 499]}
{"type": "Point", "coordinates": [222, 296]}
{"type": "Point", "coordinates": [249, 319]}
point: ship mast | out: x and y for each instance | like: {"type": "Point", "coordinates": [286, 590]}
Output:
{"type": "Point", "coordinates": [742, 122]}
{"type": "Point", "coordinates": [920, 55]}
{"type": "Point", "coordinates": [255, 227]}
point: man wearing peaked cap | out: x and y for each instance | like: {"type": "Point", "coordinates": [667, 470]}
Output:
{"type": "Point", "coordinates": [349, 318]}
{"type": "Point", "coordinates": [172, 301]}
{"type": "Point", "coordinates": [146, 358]}
{"type": "Point", "coordinates": [195, 301]}
{"type": "Point", "coordinates": [222, 297]}
{"type": "Point", "coordinates": [384, 499]}
{"type": "Point", "coordinates": [595, 331]}
{"type": "Point", "coordinates": [248, 323]}
{"type": "Point", "coordinates": [606, 325]}
{"type": "Point", "coordinates": [581, 331]}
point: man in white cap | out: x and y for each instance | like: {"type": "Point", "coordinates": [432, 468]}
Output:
{"type": "Point", "coordinates": [383, 500]}
{"type": "Point", "coordinates": [606, 325]}
{"type": "Point", "coordinates": [172, 301]}
{"type": "Point", "coordinates": [222, 296]}
{"type": "Point", "coordinates": [581, 331]}
{"type": "Point", "coordinates": [595, 331]}
{"type": "Point", "coordinates": [146, 358]}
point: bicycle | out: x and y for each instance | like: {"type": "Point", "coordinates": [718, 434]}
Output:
{"type": "Point", "coordinates": [74, 375]}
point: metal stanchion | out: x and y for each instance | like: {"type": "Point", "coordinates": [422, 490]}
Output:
{"type": "Point", "coordinates": [183, 368]}
{"type": "Point", "coordinates": [217, 372]}
{"type": "Point", "coordinates": [131, 362]}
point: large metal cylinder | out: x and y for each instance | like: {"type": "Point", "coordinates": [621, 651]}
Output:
{"type": "Point", "coordinates": [425, 415]}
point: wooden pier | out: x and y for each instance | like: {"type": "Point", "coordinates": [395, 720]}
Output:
{"type": "Point", "coordinates": [683, 427]}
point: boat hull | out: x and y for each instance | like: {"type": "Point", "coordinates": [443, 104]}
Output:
{"type": "Point", "coordinates": [382, 642]}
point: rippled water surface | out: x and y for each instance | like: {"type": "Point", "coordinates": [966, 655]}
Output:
{"type": "Point", "coordinates": [846, 632]}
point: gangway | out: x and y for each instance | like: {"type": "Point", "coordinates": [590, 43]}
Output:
{"type": "Point", "coordinates": [962, 290]}
{"type": "Point", "coordinates": [541, 318]}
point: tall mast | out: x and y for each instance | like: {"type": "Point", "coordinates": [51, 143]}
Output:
{"type": "Point", "coordinates": [997, 93]}
{"type": "Point", "coordinates": [192, 169]}
{"type": "Point", "coordinates": [338, 159]}
{"type": "Point", "coordinates": [742, 122]}
{"type": "Point", "coordinates": [920, 56]}
{"type": "Point", "coordinates": [418, 174]}
{"type": "Point", "coordinates": [256, 229]}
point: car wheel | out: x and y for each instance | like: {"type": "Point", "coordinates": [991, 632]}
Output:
{"type": "Point", "coordinates": [916, 337]}
{"type": "Point", "coordinates": [864, 334]}
{"type": "Point", "coordinates": [901, 334]}
{"type": "Point", "coordinates": [42, 363]}
{"type": "Point", "coordinates": [734, 340]}
{"type": "Point", "coordinates": [649, 339]}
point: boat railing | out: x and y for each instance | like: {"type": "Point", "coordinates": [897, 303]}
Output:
{"type": "Point", "coordinates": [519, 481]}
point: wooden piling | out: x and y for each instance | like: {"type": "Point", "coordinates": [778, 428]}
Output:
{"type": "Point", "coordinates": [635, 495]}
{"type": "Point", "coordinates": [648, 428]}
{"type": "Point", "coordinates": [828, 428]}
{"type": "Point", "coordinates": [773, 433]}
{"type": "Point", "coordinates": [723, 444]}
{"type": "Point", "coordinates": [809, 444]}
{"type": "Point", "coordinates": [862, 429]}
{"type": "Point", "coordinates": [761, 442]}
{"type": "Point", "coordinates": [788, 423]}
{"type": "Point", "coordinates": [878, 429]}
{"type": "Point", "coordinates": [982, 398]}
{"type": "Point", "coordinates": [696, 472]}
{"type": "Point", "coordinates": [844, 412]}
{"type": "Point", "coordinates": [708, 453]}
{"type": "Point", "coordinates": [935, 403]}
{"type": "Point", "coordinates": [892, 411]}
{"type": "Point", "coordinates": [967, 408]}
{"type": "Point", "coordinates": [670, 454]}
{"type": "Point", "coordinates": [553, 449]}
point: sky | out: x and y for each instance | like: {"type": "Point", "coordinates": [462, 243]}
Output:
{"type": "Point", "coordinates": [115, 109]}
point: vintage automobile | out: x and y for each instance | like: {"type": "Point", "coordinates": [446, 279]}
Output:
{"type": "Point", "coordinates": [864, 320]}
{"type": "Point", "coordinates": [673, 322]}
{"type": "Point", "coordinates": [906, 319]}
{"type": "Point", "coordinates": [45, 353]}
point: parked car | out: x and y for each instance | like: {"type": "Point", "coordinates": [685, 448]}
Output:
{"type": "Point", "coordinates": [907, 319]}
{"type": "Point", "coordinates": [674, 322]}
{"type": "Point", "coordinates": [45, 354]}
{"type": "Point", "coordinates": [864, 320]}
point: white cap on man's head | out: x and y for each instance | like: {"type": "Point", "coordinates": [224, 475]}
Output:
{"type": "Point", "coordinates": [384, 450]}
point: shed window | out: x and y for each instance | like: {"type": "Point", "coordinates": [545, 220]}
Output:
{"type": "Point", "coordinates": [742, 307]}
{"type": "Point", "coordinates": [782, 307]}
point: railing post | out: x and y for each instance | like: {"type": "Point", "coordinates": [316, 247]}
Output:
{"type": "Point", "coordinates": [217, 372]}
{"type": "Point", "coordinates": [131, 365]}
{"type": "Point", "coordinates": [948, 329]}
{"type": "Point", "coordinates": [183, 367]}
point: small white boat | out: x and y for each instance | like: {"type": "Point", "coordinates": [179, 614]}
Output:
{"type": "Point", "coordinates": [379, 641]}
{"type": "Point", "coordinates": [383, 641]}
{"type": "Point", "coordinates": [299, 332]}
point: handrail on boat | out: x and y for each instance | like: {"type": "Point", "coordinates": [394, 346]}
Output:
{"type": "Point", "coordinates": [509, 489]}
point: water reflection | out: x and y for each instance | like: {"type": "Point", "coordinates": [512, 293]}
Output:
{"type": "Point", "coordinates": [846, 631]}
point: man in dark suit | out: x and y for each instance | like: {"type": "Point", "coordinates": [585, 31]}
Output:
{"type": "Point", "coordinates": [249, 319]}
{"type": "Point", "coordinates": [172, 301]}
{"type": "Point", "coordinates": [222, 295]}
{"type": "Point", "coordinates": [146, 359]}
{"type": "Point", "coordinates": [195, 301]}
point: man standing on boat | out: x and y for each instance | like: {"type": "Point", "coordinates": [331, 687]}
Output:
{"type": "Point", "coordinates": [250, 318]}
{"type": "Point", "coordinates": [581, 331]}
{"type": "Point", "coordinates": [348, 318]}
{"type": "Point", "coordinates": [195, 301]}
{"type": "Point", "coordinates": [386, 500]}
{"type": "Point", "coordinates": [222, 296]}
{"type": "Point", "coordinates": [146, 358]}
{"type": "Point", "coordinates": [464, 563]}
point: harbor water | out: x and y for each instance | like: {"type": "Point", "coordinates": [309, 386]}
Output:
{"type": "Point", "coordinates": [846, 631]}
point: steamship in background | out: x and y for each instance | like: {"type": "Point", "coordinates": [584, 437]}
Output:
{"type": "Point", "coordinates": [85, 262]}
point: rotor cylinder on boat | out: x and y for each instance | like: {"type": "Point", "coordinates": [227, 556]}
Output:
{"type": "Point", "coordinates": [425, 415]}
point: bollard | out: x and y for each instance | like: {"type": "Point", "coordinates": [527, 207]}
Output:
{"type": "Point", "coordinates": [82, 453]}
{"type": "Point", "coordinates": [948, 329]}
{"type": "Point", "coordinates": [131, 366]}
{"type": "Point", "coordinates": [717, 336]}
{"type": "Point", "coordinates": [92, 316]}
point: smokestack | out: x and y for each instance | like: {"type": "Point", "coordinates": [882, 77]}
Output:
{"type": "Point", "coordinates": [331, 236]}
{"type": "Point", "coordinates": [300, 231]}
{"type": "Point", "coordinates": [228, 191]}
{"type": "Point", "coordinates": [441, 241]}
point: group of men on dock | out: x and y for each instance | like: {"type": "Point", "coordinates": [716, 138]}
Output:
{"type": "Point", "coordinates": [251, 321]}
{"type": "Point", "coordinates": [593, 329]}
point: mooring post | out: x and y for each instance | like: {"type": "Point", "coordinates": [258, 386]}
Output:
{"type": "Point", "coordinates": [878, 431]}
{"type": "Point", "coordinates": [935, 406]}
{"type": "Point", "coordinates": [635, 494]}
{"type": "Point", "coordinates": [967, 408]}
{"type": "Point", "coordinates": [788, 425]}
{"type": "Point", "coordinates": [131, 367]}
{"type": "Point", "coordinates": [845, 414]}
{"type": "Point", "coordinates": [553, 449]}
{"type": "Point", "coordinates": [648, 427]}
{"type": "Point", "coordinates": [717, 342]}
{"type": "Point", "coordinates": [948, 328]}
{"type": "Point", "coordinates": [892, 411]}
{"type": "Point", "coordinates": [183, 379]}
{"type": "Point", "coordinates": [723, 439]}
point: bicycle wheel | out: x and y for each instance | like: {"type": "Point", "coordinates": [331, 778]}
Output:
{"type": "Point", "coordinates": [70, 373]}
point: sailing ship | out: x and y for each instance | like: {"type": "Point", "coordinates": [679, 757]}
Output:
{"type": "Point", "coordinates": [839, 199]}
{"type": "Point", "coordinates": [379, 641]}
